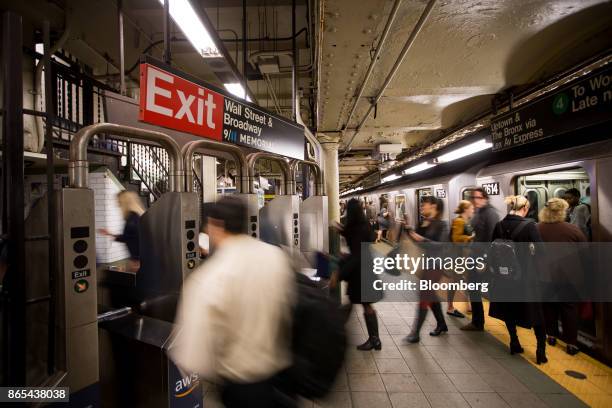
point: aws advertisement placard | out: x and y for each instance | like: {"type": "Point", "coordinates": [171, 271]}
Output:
{"type": "Point", "coordinates": [175, 100]}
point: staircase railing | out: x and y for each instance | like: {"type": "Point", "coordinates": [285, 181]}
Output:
{"type": "Point", "coordinates": [150, 164]}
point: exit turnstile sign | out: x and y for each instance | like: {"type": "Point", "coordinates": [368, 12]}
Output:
{"type": "Point", "coordinates": [175, 100]}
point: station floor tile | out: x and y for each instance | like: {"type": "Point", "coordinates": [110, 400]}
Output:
{"type": "Point", "coordinates": [458, 369]}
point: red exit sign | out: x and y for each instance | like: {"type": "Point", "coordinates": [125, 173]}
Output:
{"type": "Point", "coordinates": [173, 102]}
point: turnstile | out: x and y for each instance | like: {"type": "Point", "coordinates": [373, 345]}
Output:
{"type": "Point", "coordinates": [279, 219]}
{"type": "Point", "coordinates": [314, 220]}
{"type": "Point", "coordinates": [76, 326]}
{"type": "Point", "coordinates": [135, 371]}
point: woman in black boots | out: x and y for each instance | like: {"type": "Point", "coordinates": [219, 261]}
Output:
{"type": "Point", "coordinates": [432, 229]}
{"type": "Point", "coordinates": [356, 231]}
{"type": "Point", "coordinates": [517, 228]}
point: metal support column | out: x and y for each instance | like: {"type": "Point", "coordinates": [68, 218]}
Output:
{"type": "Point", "coordinates": [294, 78]}
{"type": "Point", "coordinates": [167, 56]}
{"type": "Point", "coordinates": [52, 205]}
{"type": "Point", "coordinates": [121, 47]}
{"type": "Point", "coordinates": [245, 57]}
{"type": "Point", "coordinates": [332, 185]}
{"type": "Point", "coordinates": [12, 159]}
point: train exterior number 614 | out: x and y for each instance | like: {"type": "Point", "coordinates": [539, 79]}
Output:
{"type": "Point", "coordinates": [491, 188]}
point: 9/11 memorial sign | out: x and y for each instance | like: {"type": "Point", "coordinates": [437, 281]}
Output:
{"type": "Point", "coordinates": [175, 100]}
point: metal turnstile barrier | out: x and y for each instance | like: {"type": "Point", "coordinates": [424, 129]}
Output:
{"type": "Point", "coordinates": [314, 219]}
{"type": "Point", "coordinates": [279, 219]}
{"type": "Point", "coordinates": [133, 364]}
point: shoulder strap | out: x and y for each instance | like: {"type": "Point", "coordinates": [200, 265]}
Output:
{"type": "Point", "coordinates": [519, 228]}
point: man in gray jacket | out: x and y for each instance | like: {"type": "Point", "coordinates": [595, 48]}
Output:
{"type": "Point", "coordinates": [484, 222]}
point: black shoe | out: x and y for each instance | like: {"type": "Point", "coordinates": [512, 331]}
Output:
{"type": "Point", "coordinates": [456, 313]}
{"type": "Point", "coordinates": [413, 337]}
{"type": "Point", "coordinates": [572, 350]}
{"type": "Point", "coordinates": [438, 331]}
{"type": "Point", "coordinates": [552, 341]}
{"type": "Point", "coordinates": [515, 347]}
{"type": "Point", "coordinates": [541, 356]}
{"type": "Point", "coordinates": [472, 327]}
{"type": "Point", "coordinates": [371, 343]}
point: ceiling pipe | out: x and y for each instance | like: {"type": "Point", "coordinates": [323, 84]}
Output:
{"type": "Point", "coordinates": [229, 40]}
{"type": "Point", "coordinates": [121, 47]}
{"type": "Point", "coordinates": [272, 93]}
{"type": "Point", "coordinates": [415, 32]}
{"type": "Point", "coordinates": [316, 145]}
{"type": "Point", "coordinates": [379, 48]}
{"type": "Point", "coordinates": [294, 73]}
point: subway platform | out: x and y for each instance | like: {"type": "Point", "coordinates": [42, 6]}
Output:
{"type": "Point", "coordinates": [458, 369]}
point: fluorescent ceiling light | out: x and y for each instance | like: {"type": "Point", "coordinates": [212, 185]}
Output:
{"type": "Point", "coordinates": [472, 148]}
{"type": "Point", "coordinates": [418, 167]}
{"type": "Point", "coordinates": [352, 190]}
{"type": "Point", "coordinates": [236, 89]}
{"type": "Point", "coordinates": [190, 24]}
{"type": "Point", "coordinates": [390, 178]}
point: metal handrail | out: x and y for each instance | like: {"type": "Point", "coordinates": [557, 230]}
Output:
{"type": "Point", "coordinates": [78, 167]}
{"type": "Point", "coordinates": [190, 149]}
{"type": "Point", "coordinates": [318, 174]}
{"type": "Point", "coordinates": [288, 187]}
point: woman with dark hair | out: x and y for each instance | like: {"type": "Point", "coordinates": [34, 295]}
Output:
{"type": "Point", "coordinates": [356, 230]}
{"type": "Point", "coordinates": [432, 229]}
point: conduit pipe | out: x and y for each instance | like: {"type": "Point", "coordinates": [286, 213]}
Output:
{"type": "Point", "coordinates": [415, 31]}
{"type": "Point", "coordinates": [316, 145]}
{"type": "Point", "coordinates": [40, 134]}
{"type": "Point", "coordinates": [379, 48]}
{"type": "Point", "coordinates": [318, 174]}
{"type": "Point", "coordinates": [78, 167]}
{"type": "Point", "coordinates": [288, 186]}
{"type": "Point", "coordinates": [189, 150]}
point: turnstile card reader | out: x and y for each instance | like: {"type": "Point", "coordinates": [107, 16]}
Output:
{"type": "Point", "coordinates": [252, 204]}
{"type": "Point", "coordinates": [77, 314]}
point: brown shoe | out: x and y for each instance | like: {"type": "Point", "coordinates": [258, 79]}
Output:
{"type": "Point", "coordinates": [471, 327]}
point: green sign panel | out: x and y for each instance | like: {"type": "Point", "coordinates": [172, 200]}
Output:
{"type": "Point", "coordinates": [581, 103]}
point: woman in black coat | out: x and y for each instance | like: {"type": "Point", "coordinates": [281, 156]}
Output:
{"type": "Point", "coordinates": [432, 229]}
{"type": "Point", "coordinates": [517, 228]}
{"type": "Point", "coordinates": [357, 230]}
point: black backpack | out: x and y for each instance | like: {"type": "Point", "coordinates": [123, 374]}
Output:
{"type": "Point", "coordinates": [319, 340]}
{"type": "Point", "coordinates": [502, 256]}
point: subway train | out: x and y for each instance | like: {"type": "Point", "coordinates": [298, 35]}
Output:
{"type": "Point", "coordinates": [539, 177]}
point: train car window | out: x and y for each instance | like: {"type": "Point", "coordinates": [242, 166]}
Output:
{"type": "Point", "coordinates": [466, 194]}
{"type": "Point", "coordinates": [539, 187]}
{"type": "Point", "coordinates": [422, 192]}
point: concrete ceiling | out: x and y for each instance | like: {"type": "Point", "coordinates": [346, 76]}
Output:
{"type": "Point", "coordinates": [467, 51]}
